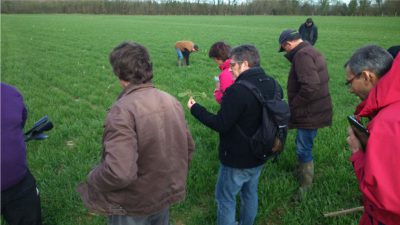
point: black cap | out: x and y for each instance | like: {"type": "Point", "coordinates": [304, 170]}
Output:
{"type": "Point", "coordinates": [288, 35]}
{"type": "Point", "coordinates": [309, 20]}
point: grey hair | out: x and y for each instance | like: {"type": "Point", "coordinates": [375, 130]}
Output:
{"type": "Point", "coordinates": [247, 53]}
{"type": "Point", "coordinates": [372, 58]}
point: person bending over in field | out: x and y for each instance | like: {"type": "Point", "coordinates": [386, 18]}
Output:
{"type": "Point", "coordinates": [147, 148]}
{"type": "Point", "coordinates": [372, 77]}
{"type": "Point", "coordinates": [219, 51]}
{"type": "Point", "coordinates": [183, 50]}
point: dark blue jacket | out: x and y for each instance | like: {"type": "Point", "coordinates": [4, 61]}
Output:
{"type": "Point", "coordinates": [239, 107]}
{"type": "Point", "coordinates": [309, 34]}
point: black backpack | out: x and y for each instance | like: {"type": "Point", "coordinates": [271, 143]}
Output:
{"type": "Point", "coordinates": [269, 139]}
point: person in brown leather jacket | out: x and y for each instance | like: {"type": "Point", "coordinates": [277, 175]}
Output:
{"type": "Point", "coordinates": [183, 50]}
{"type": "Point", "coordinates": [147, 148]}
{"type": "Point", "coordinates": [309, 101]}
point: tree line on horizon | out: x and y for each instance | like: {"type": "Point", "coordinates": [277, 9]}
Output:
{"type": "Point", "coordinates": [206, 7]}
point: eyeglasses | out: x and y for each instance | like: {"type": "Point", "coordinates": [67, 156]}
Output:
{"type": "Point", "coordinates": [233, 63]}
{"type": "Point", "coordinates": [350, 82]}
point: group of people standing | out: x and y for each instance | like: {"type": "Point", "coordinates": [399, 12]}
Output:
{"type": "Point", "coordinates": [310, 106]}
{"type": "Point", "coordinates": [148, 147]}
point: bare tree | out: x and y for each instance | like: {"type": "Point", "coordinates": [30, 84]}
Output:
{"type": "Point", "coordinates": [205, 7]}
{"type": "Point", "coordinates": [352, 7]}
{"type": "Point", "coordinates": [364, 6]}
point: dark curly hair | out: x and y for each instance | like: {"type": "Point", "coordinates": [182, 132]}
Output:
{"type": "Point", "coordinates": [131, 62]}
{"type": "Point", "coordinates": [219, 50]}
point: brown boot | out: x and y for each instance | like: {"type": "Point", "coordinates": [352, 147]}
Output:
{"type": "Point", "coordinates": [306, 175]}
{"type": "Point", "coordinates": [179, 63]}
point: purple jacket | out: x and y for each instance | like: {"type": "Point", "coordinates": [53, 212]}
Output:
{"type": "Point", "coordinates": [13, 149]}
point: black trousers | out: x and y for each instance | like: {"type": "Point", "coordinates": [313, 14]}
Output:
{"type": "Point", "coordinates": [186, 54]}
{"type": "Point", "coordinates": [20, 204]}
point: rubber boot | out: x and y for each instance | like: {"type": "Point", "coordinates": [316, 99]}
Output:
{"type": "Point", "coordinates": [306, 176]}
{"type": "Point", "coordinates": [179, 63]}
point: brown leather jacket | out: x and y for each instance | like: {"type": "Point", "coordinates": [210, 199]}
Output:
{"type": "Point", "coordinates": [308, 90]}
{"type": "Point", "coordinates": [185, 44]}
{"type": "Point", "coordinates": [147, 148]}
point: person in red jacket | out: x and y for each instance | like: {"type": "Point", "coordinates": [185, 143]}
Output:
{"type": "Point", "coordinates": [219, 51]}
{"type": "Point", "coordinates": [372, 76]}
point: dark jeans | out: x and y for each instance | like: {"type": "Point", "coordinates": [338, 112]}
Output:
{"type": "Point", "coordinates": [20, 204]}
{"type": "Point", "coordinates": [186, 54]}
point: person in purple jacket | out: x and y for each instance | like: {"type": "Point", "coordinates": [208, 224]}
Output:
{"type": "Point", "coordinates": [20, 202]}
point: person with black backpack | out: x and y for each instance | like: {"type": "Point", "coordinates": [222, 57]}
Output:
{"type": "Point", "coordinates": [240, 117]}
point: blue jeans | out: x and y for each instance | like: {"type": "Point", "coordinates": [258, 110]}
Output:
{"type": "Point", "coordinates": [230, 182]}
{"type": "Point", "coordinates": [179, 53]}
{"type": "Point", "coordinates": [304, 144]}
{"type": "Point", "coordinates": [158, 218]}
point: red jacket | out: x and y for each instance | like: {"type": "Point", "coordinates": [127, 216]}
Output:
{"type": "Point", "coordinates": [378, 168]}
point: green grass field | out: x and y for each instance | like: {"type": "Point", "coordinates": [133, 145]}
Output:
{"type": "Point", "coordinates": [60, 64]}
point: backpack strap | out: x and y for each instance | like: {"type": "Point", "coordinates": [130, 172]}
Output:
{"type": "Point", "coordinates": [253, 89]}
{"type": "Point", "coordinates": [257, 93]}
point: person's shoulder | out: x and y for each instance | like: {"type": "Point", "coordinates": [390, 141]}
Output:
{"type": "Point", "coordinates": [306, 54]}
{"type": "Point", "coordinates": [164, 94]}
{"type": "Point", "coordinates": [5, 86]}
{"type": "Point", "coordinates": [234, 89]}
{"type": "Point", "coordinates": [307, 49]}
{"type": "Point", "coordinates": [9, 90]}
{"type": "Point", "coordinates": [184, 41]}
{"type": "Point", "coordinates": [386, 118]}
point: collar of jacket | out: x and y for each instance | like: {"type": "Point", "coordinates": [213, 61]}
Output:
{"type": "Point", "coordinates": [251, 72]}
{"type": "Point", "coordinates": [134, 87]}
{"type": "Point", "coordinates": [290, 55]}
{"type": "Point", "coordinates": [385, 92]}
{"type": "Point", "coordinates": [225, 65]}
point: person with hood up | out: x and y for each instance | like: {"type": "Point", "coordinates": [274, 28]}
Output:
{"type": "Point", "coordinates": [309, 31]}
{"type": "Point", "coordinates": [372, 77]}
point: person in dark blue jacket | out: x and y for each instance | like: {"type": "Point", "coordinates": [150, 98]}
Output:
{"type": "Point", "coordinates": [20, 202]}
{"type": "Point", "coordinates": [309, 31]}
{"type": "Point", "coordinates": [239, 168]}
